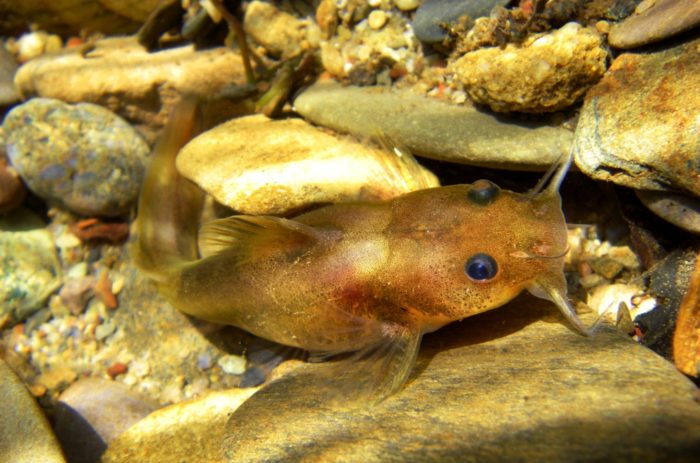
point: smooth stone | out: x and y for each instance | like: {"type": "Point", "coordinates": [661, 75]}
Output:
{"type": "Point", "coordinates": [655, 20]}
{"type": "Point", "coordinates": [12, 189]}
{"type": "Point", "coordinates": [93, 412]}
{"type": "Point", "coordinates": [29, 271]}
{"type": "Point", "coordinates": [282, 34]}
{"type": "Point", "coordinates": [502, 386]}
{"type": "Point", "coordinates": [8, 67]}
{"type": "Point", "coordinates": [259, 166]}
{"type": "Point", "coordinates": [432, 13]}
{"type": "Point", "coordinates": [681, 210]}
{"type": "Point", "coordinates": [435, 129]}
{"type": "Point", "coordinates": [121, 75]}
{"type": "Point", "coordinates": [83, 157]}
{"type": "Point", "coordinates": [638, 126]}
{"type": "Point", "coordinates": [25, 433]}
{"type": "Point", "coordinates": [189, 431]}
{"type": "Point", "coordinates": [545, 73]}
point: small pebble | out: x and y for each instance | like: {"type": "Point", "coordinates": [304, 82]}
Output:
{"type": "Point", "coordinates": [407, 5]}
{"type": "Point", "coordinates": [376, 19]}
{"type": "Point", "coordinates": [117, 369]}
{"type": "Point", "coordinates": [105, 330]}
{"type": "Point", "coordinates": [232, 364]}
{"type": "Point", "coordinates": [205, 361]}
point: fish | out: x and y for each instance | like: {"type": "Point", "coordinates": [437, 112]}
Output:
{"type": "Point", "coordinates": [361, 281]}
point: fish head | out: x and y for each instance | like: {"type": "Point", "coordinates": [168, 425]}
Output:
{"type": "Point", "coordinates": [472, 248]}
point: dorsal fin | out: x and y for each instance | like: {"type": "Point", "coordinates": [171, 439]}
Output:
{"type": "Point", "coordinates": [244, 230]}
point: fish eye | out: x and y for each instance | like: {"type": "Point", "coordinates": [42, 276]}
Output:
{"type": "Point", "coordinates": [483, 192]}
{"type": "Point", "coordinates": [481, 267]}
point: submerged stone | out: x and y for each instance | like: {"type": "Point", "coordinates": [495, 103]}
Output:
{"type": "Point", "coordinates": [502, 386]}
{"type": "Point", "coordinates": [435, 129]}
{"type": "Point", "coordinates": [256, 165]}
{"type": "Point", "coordinates": [655, 20]}
{"type": "Point", "coordinates": [83, 157]}
{"type": "Point", "coordinates": [639, 125]}
{"type": "Point", "coordinates": [433, 15]}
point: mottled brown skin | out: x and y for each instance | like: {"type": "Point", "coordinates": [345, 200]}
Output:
{"type": "Point", "coordinates": [367, 277]}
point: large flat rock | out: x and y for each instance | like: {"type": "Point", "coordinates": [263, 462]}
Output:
{"type": "Point", "coordinates": [504, 386]}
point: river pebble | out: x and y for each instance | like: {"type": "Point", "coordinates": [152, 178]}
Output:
{"type": "Point", "coordinates": [8, 67]}
{"type": "Point", "coordinates": [638, 127]}
{"type": "Point", "coordinates": [92, 412]}
{"type": "Point", "coordinates": [282, 34]}
{"type": "Point", "coordinates": [432, 14]}
{"type": "Point", "coordinates": [29, 271]}
{"type": "Point", "coordinates": [680, 210]}
{"type": "Point", "coordinates": [83, 157]}
{"type": "Point", "coordinates": [655, 20]}
{"type": "Point", "coordinates": [26, 434]}
{"type": "Point", "coordinates": [545, 73]}
{"type": "Point", "coordinates": [259, 166]}
{"type": "Point", "coordinates": [121, 75]}
{"type": "Point", "coordinates": [434, 129]}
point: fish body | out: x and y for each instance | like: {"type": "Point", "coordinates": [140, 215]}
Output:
{"type": "Point", "coordinates": [365, 278]}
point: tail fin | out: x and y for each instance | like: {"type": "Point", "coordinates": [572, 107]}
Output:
{"type": "Point", "coordinates": [169, 205]}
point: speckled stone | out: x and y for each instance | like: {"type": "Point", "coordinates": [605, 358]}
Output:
{"type": "Point", "coordinates": [190, 431]}
{"type": "Point", "coordinates": [92, 412]}
{"type": "Point", "coordinates": [282, 34]}
{"type": "Point", "coordinates": [502, 386]}
{"type": "Point", "coordinates": [639, 126]}
{"type": "Point", "coordinates": [29, 270]}
{"type": "Point", "coordinates": [655, 20]}
{"type": "Point", "coordinates": [435, 129]}
{"type": "Point", "coordinates": [83, 157]}
{"type": "Point", "coordinates": [8, 67]}
{"type": "Point", "coordinates": [432, 13]}
{"type": "Point", "coordinates": [545, 73]}
{"type": "Point", "coordinates": [25, 434]}
{"type": "Point", "coordinates": [256, 165]}
{"type": "Point", "coordinates": [681, 210]}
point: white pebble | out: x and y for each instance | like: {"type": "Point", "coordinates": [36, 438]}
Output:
{"type": "Point", "coordinates": [232, 364]}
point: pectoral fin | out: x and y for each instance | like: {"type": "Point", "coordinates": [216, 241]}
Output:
{"type": "Point", "coordinates": [255, 232]}
{"type": "Point", "coordinates": [375, 372]}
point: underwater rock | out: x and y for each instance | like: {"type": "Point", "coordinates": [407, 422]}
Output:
{"type": "Point", "coordinates": [545, 73]}
{"type": "Point", "coordinates": [29, 271]}
{"type": "Point", "coordinates": [123, 76]}
{"type": "Point", "coordinates": [190, 431]}
{"type": "Point", "coordinates": [434, 129]}
{"type": "Point", "coordinates": [82, 157]}
{"type": "Point", "coordinates": [680, 210]}
{"type": "Point", "coordinates": [8, 67]}
{"type": "Point", "coordinates": [655, 20]}
{"type": "Point", "coordinates": [501, 386]}
{"type": "Point", "coordinates": [12, 190]}
{"type": "Point", "coordinates": [92, 412]}
{"type": "Point", "coordinates": [427, 23]}
{"type": "Point", "coordinates": [282, 34]}
{"type": "Point", "coordinates": [638, 126]}
{"type": "Point", "coordinates": [686, 337]}
{"type": "Point", "coordinates": [26, 434]}
{"type": "Point", "coordinates": [71, 17]}
{"type": "Point", "coordinates": [255, 165]}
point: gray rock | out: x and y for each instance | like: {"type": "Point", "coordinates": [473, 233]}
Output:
{"type": "Point", "coordinates": [639, 125]}
{"type": "Point", "coordinates": [8, 67]}
{"type": "Point", "coordinates": [83, 157]}
{"type": "Point", "coordinates": [503, 386]}
{"type": "Point", "coordinates": [25, 434]}
{"type": "Point", "coordinates": [432, 13]}
{"type": "Point", "coordinates": [681, 210]}
{"type": "Point", "coordinates": [435, 129]}
{"type": "Point", "coordinates": [655, 20]}
{"type": "Point", "coordinates": [92, 412]}
{"type": "Point", "coordinates": [29, 271]}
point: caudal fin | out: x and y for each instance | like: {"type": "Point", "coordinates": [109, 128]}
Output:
{"type": "Point", "coordinates": [169, 205]}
